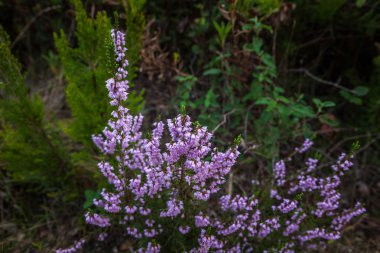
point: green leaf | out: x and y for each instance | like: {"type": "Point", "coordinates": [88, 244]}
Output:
{"type": "Point", "coordinates": [360, 3]}
{"type": "Point", "coordinates": [361, 90]}
{"type": "Point", "coordinates": [263, 101]}
{"type": "Point", "coordinates": [351, 98]}
{"type": "Point", "coordinates": [210, 98]}
{"type": "Point", "coordinates": [223, 31]}
{"type": "Point", "coordinates": [264, 118]}
{"type": "Point", "coordinates": [317, 102]}
{"type": "Point", "coordinates": [283, 112]}
{"type": "Point", "coordinates": [278, 90]}
{"type": "Point", "coordinates": [328, 120]}
{"type": "Point", "coordinates": [355, 146]}
{"type": "Point", "coordinates": [257, 44]}
{"type": "Point", "coordinates": [271, 105]}
{"type": "Point", "coordinates": [247, 27]}
{"type": "Point", "coordinates": [255, 92]}
{"type": "Point", "coordinates": [210, 72]}
{"type": "Point", "coordinates": [302, 111]}
{"type": "Point", "coordinates": [283, 99]}
{"type": "Point", "coordinates": [90, 195]}
{"type": "Point", "coordinates": [328, 104]}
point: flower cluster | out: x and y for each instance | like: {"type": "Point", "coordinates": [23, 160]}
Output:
{"type": "Point", "coordinates": [152, 182]}
{"type": "Point", "coordinates": [306, 211]}
{"type": "Point", "coordinates": [184, 169]}
{"type": "Point", "coordinates": [77, 246]}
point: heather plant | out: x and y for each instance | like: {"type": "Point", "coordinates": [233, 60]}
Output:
{"type": "Point", "coordinates": [86, 67]}
{"type": "Point", "coordinates": [31, 147]}
{"type": "Point", "coordinates": [160, 192]}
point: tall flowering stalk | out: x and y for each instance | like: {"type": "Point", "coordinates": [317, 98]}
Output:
{"type": "Point", "coordinates": [161, 189]}
{"type": "Point", "coordinates": [187, 169]}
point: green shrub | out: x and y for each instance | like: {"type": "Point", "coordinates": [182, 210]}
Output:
{"type": "Point", "coordinates": [86, 67]}
{"type": "Point", "coordinates": [239, 84]}
{"type": "Point", "coordinates": [31, 148]}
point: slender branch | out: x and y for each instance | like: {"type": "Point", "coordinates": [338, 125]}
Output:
{"type": "Point", "coordinates": [224, 120]}
{"type": "Point", "coordinates": [27, 26]}
{"type": "Point", "coordinates": [351, 138]}
{"type": "Point", "coordinates": [246, 121]}
{"type": "Point", "coordinates": [320, 80]}
{"type": "Point", "coordinates": [230, 183]}
{"type": "Point", "coordinates": [377, 138]}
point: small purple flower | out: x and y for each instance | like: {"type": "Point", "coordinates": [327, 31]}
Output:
{"type": "Point", "coordinates": [97, 220]}
{"type": "Point", "coordinates": [184, 229]}
{"type": "Point", "coordinates": [279, 172]}
{"type": "Point", "coordinates": [201, 220]}
{"type": "Point", "coordinates": [174, 208]}
{"type": "Point", "coordinates": [102, 236]}
{"type": "Point", "coordinates": [305, 146]}
{"type": "Point", "coordinates": [77, 246]}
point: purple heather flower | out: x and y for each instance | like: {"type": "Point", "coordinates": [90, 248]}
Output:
{"type": "Point", "coordinates": [102, 236]}
{"type": "Point", "coordinates": [130, 209]}
{"type": "Point", "coordinates": [305, 146]}
{"type": "Point", "coordinates": [268, 226]}
{"type": "Point", "coordinates": [97, 220]}
{"type": "Point", "coordinates": [133, 232]}
{"type": "Point", "coordinates": [238, 203]}
{"type": "Point", "coordinates": [174, 208]}
{"type": "Point", "coordinates": [144, 211]}
{"type": "Point", "coordinates": [184, 229]}
{"type": "Point", "coordinates": [147, 168]}
{"type": "Point", "coordinates": [319, 233]}
{"type": "Point", "coordinates": [150, 232]}
{"type": "Point", "coordinates": [150, 248]}
{"type": "Point", "coordinates": [288, 248]}
{"type": "Point", "coordinates": [279, 172]}
{"type": "Point", "coordinates": [207, 243]}
{"type": "Point", "coordinates": [339, 222]}
{"type": "Point", "coordinates": [287, 206]}
{"type": "Point", "coordinates": [307, 183]}
{"type": "Point", "coordinates": [311, 164]}
{"type": "Point", "coordinates": [77, 246]}
{"type": "Point", "coordinates": [201, 220]}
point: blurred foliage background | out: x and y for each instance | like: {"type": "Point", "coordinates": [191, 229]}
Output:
{"type": "Point", "coordinates": [274, 71]}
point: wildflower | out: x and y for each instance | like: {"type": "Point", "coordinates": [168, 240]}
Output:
{"type": "Point", "coordinates": [186, 170]}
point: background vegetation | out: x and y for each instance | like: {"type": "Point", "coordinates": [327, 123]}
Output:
{"type": "Point", "coordinates": [273, 71]}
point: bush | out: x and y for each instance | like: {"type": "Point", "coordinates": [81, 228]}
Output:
{"type": "Point", "coordinates": [86, 68]}
{"type": "Point", "coordinates": [160, 194]}
{"type": "Point", "coordinates": [237, 79]}
{"type": "Point", "coordinates": [31, 147]}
